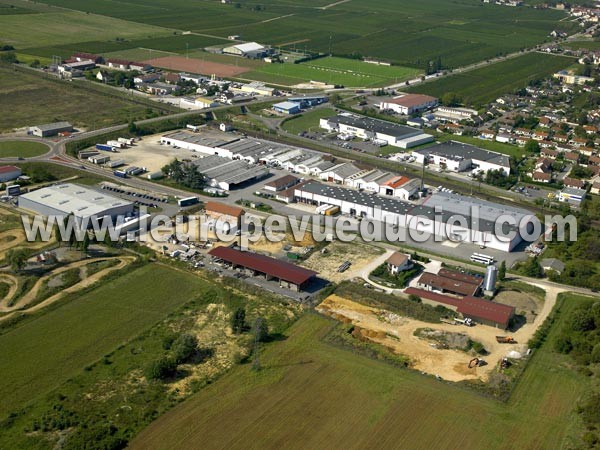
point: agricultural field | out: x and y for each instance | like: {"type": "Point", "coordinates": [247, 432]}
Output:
{"type": "Point", "coordinates": [480, 86]}
{"type": "Point", "coordinates": [458, 33]}
{"type": "Point", "coordinates": [405, 409]}
{"type": "Point", "coordinates": [29, 30]}
{"type": "Point", "coordinates": [32, 99]}
{"type": "Point", "coordinates": [42, 353]}
{"type": "Point", "coordinates": [587, 45]}
{"type": "Point", "coordinates": [335, 71]}
{"type": "Point", "coordinates": [12, 149]}
{"type": "Point", "coordinates": [307, 120]}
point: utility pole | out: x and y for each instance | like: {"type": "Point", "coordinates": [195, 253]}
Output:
{"type": "Point", "coordinates": [256, 353]}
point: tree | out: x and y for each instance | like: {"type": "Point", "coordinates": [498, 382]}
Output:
{"type": "Point", "coordinates": [8, 57]}
{"type": "Point", "coordinates": [85, 244]}
{"type": "Point", "coordinates": [17, 258]}
{"type": "Point", "coordinates": [502, 271]}
{"type": "Point", "coordinates": [532, 146]}
{"type": "Point", "coordinates": [532, 268]}
{"type": "Point", "coordinates": [161, 368]}
{"type": "Point", "coordinates": [184, 347]}
{"type": "Point", "coordinates": [262, 332]}
{"type": "Point", "coordinates": [238, 320]}
{"type": "Point", "coordinates": [132, 127]}
{"type": "Point", "coordinates": [450, 99]}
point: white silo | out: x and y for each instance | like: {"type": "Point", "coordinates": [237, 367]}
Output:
{"type": "Point", "coordinates": [489, 282]}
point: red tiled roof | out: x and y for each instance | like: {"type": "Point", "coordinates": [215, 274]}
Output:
{"type": "Point", "coordinates": [397, 259]}
{"type": "Point", "coordinates": [448, 284]}
{"type": "Point", "coordinates": [411, 100]}
{"type": "Point", "coordinates": [270, 266]}
{"type": "Point", "coordinates": [471, 306]}
{"type": "Point", "coordinates": [396, 182]}
{"type": "Point", "coordinates": [464, 277]}
{"type": "Point", "coordinates": [284, 181]}
{"type": "Point", "coordinates": [8, 169]}
{"type": "Point", "coordinates": [222, 208]}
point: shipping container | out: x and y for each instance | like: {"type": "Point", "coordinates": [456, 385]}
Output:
{"type": "Point", "coordinates": [99, 159]}
{"type": "Point", "coordinates": [115, 163]}
{"type": "Point", "coordinates": [116, 144]}
{"type": "Point", "coordinates": [156, 175]}
{"type": "Point", "coordinates": [127, 141]}
{"type": "Point", "coordinates": [105, 148]}
{"type": "Point", "coordinates": [120, 174]}
{"type": "Point", "coordinates": [187, 201]}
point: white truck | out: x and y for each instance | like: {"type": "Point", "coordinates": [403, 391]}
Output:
{"type": "Point", "coordinates": [467, 321]}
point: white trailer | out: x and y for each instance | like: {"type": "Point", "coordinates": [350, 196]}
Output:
{"type": "Point", "coordinates": [126, 141]}
{"type": "Point", "coordinates": [156, 175]}
{"type": "Point", "coordinates": [116, 144]}
{"type": "Point", "coordinates": [100, 159]}
{"type": "Point", "coordinates": [194, 128]}
{"type": "Point", "coordinates": [115, 163]}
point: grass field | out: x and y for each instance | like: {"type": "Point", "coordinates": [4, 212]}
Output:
{"type": "Point", "coordinates": [307, 120]}
{"type": "Point", "coordinates": [42, 353]}
{"type": "Point", "coordinates": [29, 30]}
{"type": "Point", "coordinates": [400, 31]}
{"type": "Point", "coordinates": [9, 149]}
{"type": "Point", "coordinates": [32, 99]}
{"type": "Point", "coordinates": [480, 86]}
{"type": "Point", "coordinates": [588, 45]}
{"type": "Point", "coordinates": [311, 394]}
{"type": "Point", "coordinates": [332, 70]}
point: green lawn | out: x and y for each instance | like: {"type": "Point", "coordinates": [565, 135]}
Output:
{"type": "Point", "coordinates": [11, 149]}
{"type": "Point", "coordinates": [311, 394]}
{"type": "Point", "coordinates": [42, 353]}
{"type": "Point", "coordinates": [588, 45]}
{"type": "Point", "coordinates": [480, 86]}
{"type": "Point", "coordinates": [332, 70]}
{"type": "Point", "coordinates": [307, 120]}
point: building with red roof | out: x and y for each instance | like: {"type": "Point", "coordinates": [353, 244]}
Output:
{"type": "Point", "coordinates": [482, 311]}
{"type": "Point", "coordinates": [290, 276]}
{"type": "Point", "coordinates": [8, 173]}
{"type": "Point", "coordinates": [409, 103]}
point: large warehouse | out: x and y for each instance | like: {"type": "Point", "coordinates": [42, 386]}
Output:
{"type": "Point", "coordinates": [409, 104]}
{"type": "Point", "coordinates": [458, 157]}
{"type": "Point", "coordinates": [229, 174]}
{"type": "Point", "coordinates": [50, 129]}
{"type": "Point", "coordinates": [248, 50]}
{"type": "Point", "coordinates": [435, 217]}
{"type": "Point", "coordinates": [375, 130]}
{"type": "Point", "coordinates": [289, 275]}
{"type": "Point", "coordinates": [83, 202]}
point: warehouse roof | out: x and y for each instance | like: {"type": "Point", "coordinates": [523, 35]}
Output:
{"type": "Point", "coordinates": [470, 306]}
{"type": "Point", "coordinates": [458, 151]}
{"type": "Point", "coordinates": [464, 277]}
{"type": "Point", "coordinates": [249, 47]}
{"type": "Point", "coordinates": [285, 105]}
{"type": "Point", "coordinates": [270, 266]}
{"type": "Point", "coordinates": [362, 198]}
{"type": "Point", "coordinates": [53, 126]}
{"type": "Point", "coordinates": [73, 198]}
{"type": "Point", "coordinates": [410, 100]}
{"type": "Point", "coordinates": [283, 181]}
{"type": "Point", "coordinates": [374, 125]}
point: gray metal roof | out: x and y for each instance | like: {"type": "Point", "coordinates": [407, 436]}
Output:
{"type": "Point", "coordinates": [375, 125]}
{"type": "Point", "coordinates": [53, 126]}
{"type": "Point", "coordinates": [458, 151]}
{"type": "Point", "coordinates": [73, 198]}
{"type": "Point", "coordinates": [459, 204]}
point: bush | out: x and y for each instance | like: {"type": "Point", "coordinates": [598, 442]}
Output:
{"type": "Point", "coordinates": [184, 347]}
{"type": "Point", "coordinates": [162, 368]}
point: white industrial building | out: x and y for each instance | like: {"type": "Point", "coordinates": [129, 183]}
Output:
{"type": "Point", "coordinates": [450, 114]}
{"type": "Point", "coordinates": [227, 174]}
{"type": "Point", "coordinates": [376, 130]}
{"type": "Point", "coordinates": [84, 203]}
{"type": "Point", "coordinates": [458, 157]}
{"type": "Point", "coordinates": [436, 217]}
{"type": "Point", "coordinates": [248, 50]}
{"type": "Point", "coordinates": [202, 143]}
{"type": "Point", "coordinates": [409, 104]}
{"type": "Point", "coordinates": [9, 173]}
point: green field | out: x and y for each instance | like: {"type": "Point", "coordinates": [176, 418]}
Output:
{"type": "Point", "coordinates": [587, 45]}
{"type": "Point", "coordinates": [29, 30]}
{"type": "Point", "coordinates": [400, 31]}
{"type": "Point", "coordinates": [311, 394]}
{"type": "Point", "coordinates": [32, 99]}
{"type": "Point", "coordinates": [332, 70]}
{"type": "Point", "coordinates": [480, 86]}
{"type": "Point", "coordinates": [44, 352]}
{"type": "Point", "coordinates": [307, 120]}
{"type": "Point", "coordinates": [11, 149]}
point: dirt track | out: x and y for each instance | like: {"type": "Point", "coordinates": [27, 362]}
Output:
{"type": "Point", "coordinates": [32, 294]}
{"type": "Point", "coordinates": [448, 364]}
